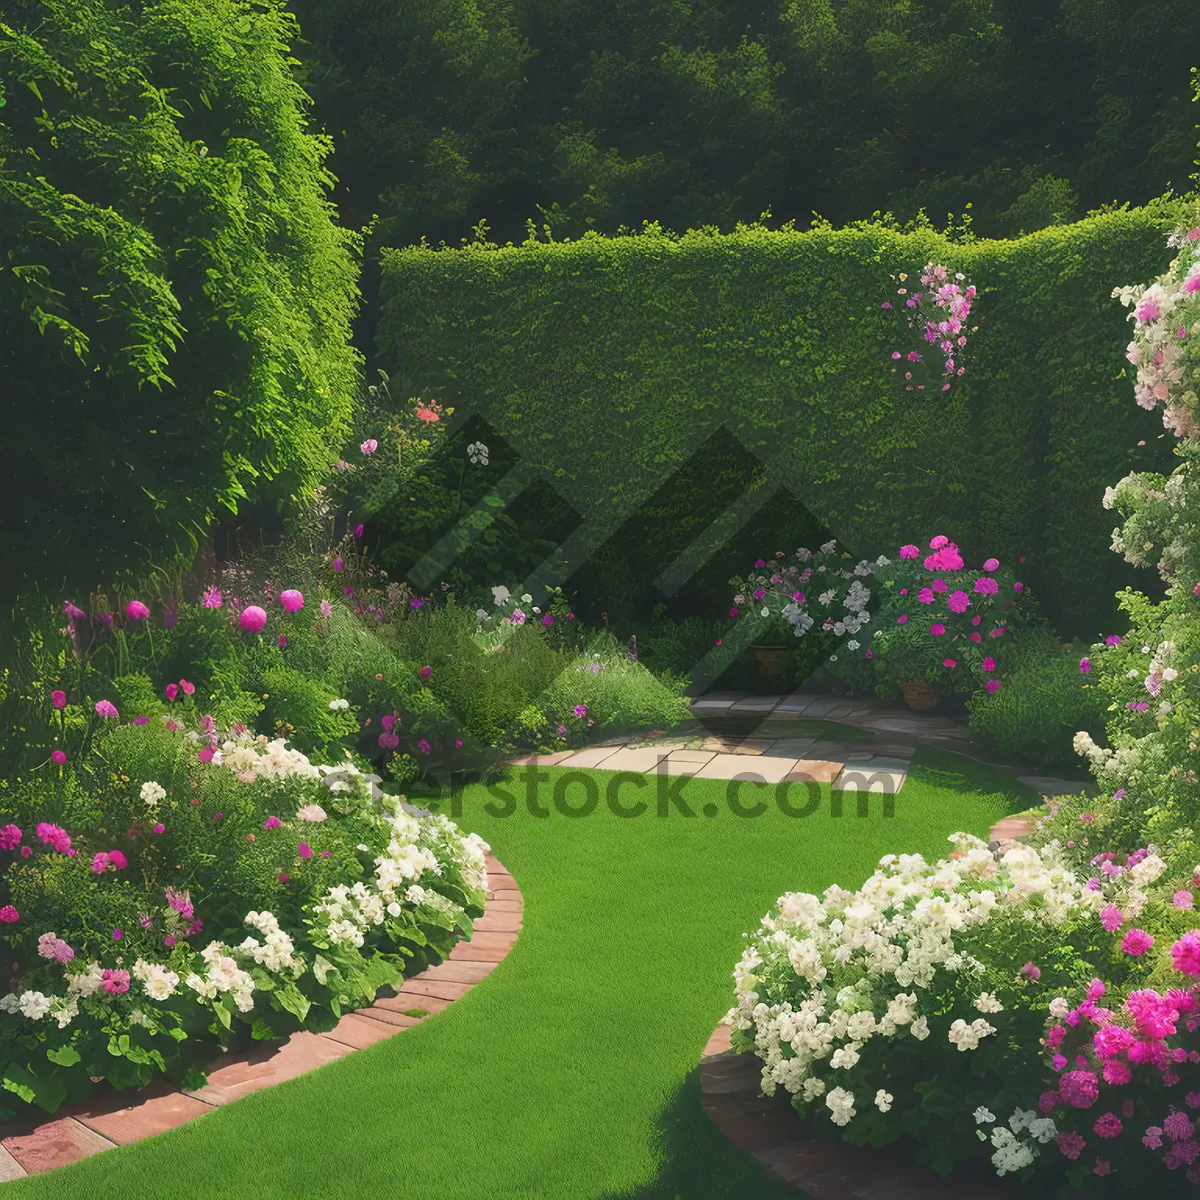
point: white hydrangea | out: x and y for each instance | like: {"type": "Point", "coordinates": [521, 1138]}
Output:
{"type": "Point", "coordinates": [152, 793]}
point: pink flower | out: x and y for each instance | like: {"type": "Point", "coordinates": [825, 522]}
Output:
{"type": "Point", "coordinates": [305, 850]}
{"type": "Point", "coordinates": [160, 828]}
{"type": "Point", "coordinates": [76, 614]}
{"type": "Point", "coordinates": [9, 915]}
{"type": "Point", "coordinates": [1178, 1127]}
{"type": "Point", "coordinates": [1147, 309]}
{"type": "Point", "coordinates": [1136, 942]}
{"type": "Point", "coordinates": [1080, 1089]}
{"type": "Point", "coordinates": [958, 601]}
{"type": "Point", "coordinates": [949, 663]}
{"type": "Point", "coordinates": [1102, 1167]}
{"type": "Point", "coordinates": [581, 710]}
{"type": "Point", "coordinates": [172, 691]}
{"type": "Point", "coordinates": [902, 619]}
{"type": "Point", "coordinates": [59, 699]}
{"type": "Point", "coordinates": [388, 741]}
{"type": "Point", "coordinates": [939, 586]}
{"type": "Point", "coordinates": [326, 608]}
{"type": "Point", "coordinates": [10, 837]}
{"type": "Point", "coordinates": [1183, 899]}
{"type": "Point", "coordinates": [292, 600]}
{"type": "Point", "coordinates": [369, 446]}
{"type": "Point", "coordinates": [458, 744]}
{"type": "Point", "coordinates": [54, 835]}
{"type": "Point", "coordinates": [135, 610]}
{"type": "Point", "coordinates": [547, 619]}
{"type": "Point", "coordinates": [141, 720]}
{"type": "Point", "coordinates": [338, 564]}
{"type": "Point", "coordinates": [988, 664]}
{"type": "Point", "coordinates": [1153, 1137]}
{"type": "Point", "coordinates": [1085, 665]}
{"type": "Point", "coordinates": [992, 686]}
{"type": "Point", "coordinates": [187, 688]}
{"type": "Point", "coordinates": [253, 619]}
{"type": "Point", "coordinates": [925, 596]}
{"type": "Point", "coordinates": [424, 746]}
{"type": "Point", "coordinates": [1071, 1144]}
{"type": "Point", "coordinates": [1117, 1073]}
{"type": "Point", "coordinates": [172, 726]}
{"type": "Point", "coordinates": [938, 542]}
{"type": "Point", "coordinates": [1018, 587]}
{"type": "Point", "coordinates": [181, 902]}
{"type": "Point", "coordinates": [991, 564]}
{"type": "Point", "coordinates": [116, 982]}
{"type": "Point", "coordinates": [985, 585]}
{"type": "Point", "coordinates": [910, 552]}
{"type": "Point", "coordinates": [937, 629]}
{"type": "Point", "coordinates": [417, 602]}
{"type": "Point", "coordinates": [999, 631]}
{"type": "Point", "coordinates": [425, 672]}
{"type": "Point", "coordinates": [1108, 1126]}
{"type": "Point", "coordinates": [212, 598]}
{"type": "Point", "coordinates": [1031, 971]}
{"type": "Point", "coordinates": [388, 720]}
{"type": "Point", "coordinates": [105, 708]}
{"type": "Point", "coordinates": [282, 642]}
{"type": "Point", "coordinates": [206, 755]}
{"type": "Point", "coordinates": [272, 823]}
{"type": "Point", "coordinates": [1185, 954]}
{"type": "Point", "coordinates": [100, 862]}
{"type": "Point", "coordinates": [733, 612]}
{"type": "Point", "coordinates": [1048, 1102]}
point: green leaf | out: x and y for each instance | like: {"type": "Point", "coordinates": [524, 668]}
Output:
{"type": "Point", "coordinates": [261, 1030]}
{"type": "Point", "coordinates": [223, 1015]}
{"type": "Point", "coordinates": [14, 1080]}
{"type": "Point", "coordinates": [293, 1000]}
{"type": "Point", "coordinates": [323, 968]}
{"type": "Point", "coordinates": [64, 1056]}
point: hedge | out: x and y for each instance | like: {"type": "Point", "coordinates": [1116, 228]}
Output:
{"type": "Point", "coordinates": [176, 296]}
{"type": "Point", "coordinates": [611, 364]}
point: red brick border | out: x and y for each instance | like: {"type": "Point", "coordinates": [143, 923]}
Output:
{"type": "Point", "coordinates": [770, 1129]}
{"type": "Point", "coordinates": [105, 1121]}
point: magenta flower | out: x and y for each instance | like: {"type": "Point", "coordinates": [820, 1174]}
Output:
{"type": "Point", "coordinates": [282, 642]}
{"type": "Point", "coordinates": [369, 446]}
{"type": "Point", "coordinates": [1080, 1089]}
{"type": "Point", "coordinates": [1071, 1144]}
{"type": "Point", "coordinates": [938, 542]}
{"type": "Point", "coordinates": [1181, 899]}
{"type": "Point", "coordinates": [1136, 942]}
{"type": "Point", "coordinates": [326, 608]}
{"type": "Point", "coordinates": [547, 620]}
{"type": "Point", "coordinates": [1153, 1138]}
{"type": "Point", "coordinates": [1112, 640]}
{"type": "Point", "coordinates": [116, 982]}
{"type": "Point", "coordinates": [733, 612]}
{"type": "Point", "coordinates": [105, 708]}
{"type": "Point", "coordinates": [76, 614]}
{"type": "Point", "coordinates": [292, 600]}
{"type": "Point", "coordinates": [958, 601]}
{"type": "Point", "coordinates": [902, 619]}
{"type": "Point", "coordinates": [388, 741]}
{"type": "Point", "coordinates": [992, 686]}
{"type": "Point", "coordinates": [1185, 954]}
{"type": "Point", "coordinates": [425, 672]}
{"type": "Point", "coordinates": [759, 593]}
{"type": "Point", "coordinates": [424, 746]}
{"type": "Point", "coordinates": [581, 710]}
{"type": "Point", "coordinates": [272, 823]}
{"type": "Point", "coordinates": [937, 629]}
{"type": "Point", "coordinates": [1085, 665]}
{"type": "Point", "coordinates": [910, 551]}
{"type": "Point", "coordinates": [54, 835]}
{"type": "Point", "coordinates": [253, 619]}
{"type": "Point", "coordinates": [160, 828]}
{"type": "Point", "coordinates": [991, 564]}
{"type": "Point", "coordinates": [939, 586]}
{"type": "Point", "coordinates": [1111, 918]}
{"type": "Point", "coordinates": [135, 610]}
{"type": "Point", "coordinates": [1048, 1102]}
{"type": "Point", "coordinates": [186, 688]}
{"type": "Point", "coordinates": [416, 602]}
{"type": "Point", "coordinates": [305, 850]}
{"type": "Point", "coordinates": [1031, 971]}
{"type": "Point", "coordinates": [100, 862]}
{"type": "Point", "coordinates": [9, 915]}
{"type": "Point", "coordinates": [10, 837]}
{"type": "Point", "coordinates": [985, 585]}
{"type": "Point", "coordinates": [1178, 1127]}
{"type": "Point", "coordinates": [1108, 1126]}
{"type": "Point", "coordinates": [181, 902]}
{"type": "Point", "coordinates": [388, 720]}
{"type": "Point", "coordinates": [338, 564]}
{"type": "Point", "coordinates": [760, 562]}
{"type": "Point", "coordinates": [59, 699]}
{"type": "Point", "coordinates": [949, 663]}
{"type": "Point", "coordinates": [1147, 309]}
{"type": "Point", "coordinates": [925, 596]}
{"type": "Point", "coordinates": [1018, 587]}
{"type": "Point", "coordinates": [206, 755]}
{"type": "Point", "coordinates": [212, 598]}
{"type": "Point", "coordinates": [172, 691]}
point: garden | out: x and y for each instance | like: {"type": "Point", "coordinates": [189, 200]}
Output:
{"type": "Point", "coordinates": [464, 707]}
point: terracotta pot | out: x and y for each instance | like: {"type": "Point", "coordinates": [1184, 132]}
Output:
{"type": "Point", "coordinates": [772, 660]}
{"type": "Point", "coordinates": [919, 696]}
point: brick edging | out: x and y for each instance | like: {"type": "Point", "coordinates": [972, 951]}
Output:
{"type": "Point", "coordinates": [101, 1123]}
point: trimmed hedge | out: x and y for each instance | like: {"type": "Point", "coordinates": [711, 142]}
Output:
{"type": "Point", "coordinates": [609, 362]}
{"type": "Point", "coordinates": [176, 296]}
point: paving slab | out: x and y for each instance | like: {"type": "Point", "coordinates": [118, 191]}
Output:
{"type": "Point", "coordinates": [627, 759]}
{"type": "Point", "coordinates": [674, 767]}
{"type": "Point", "coordinates": [540, 760]}
{"type": "Point", "coordinates": [54, 1144]}
{"type": "Point", "coordinates": [591, 756]}
{"type": "Point", "coordinates": [755, 704]}
{"type": "Point", "coordinates": [692, 756]}
{"type": "Point", "coordinates": [867, 780]}
{"type": "Point", "coordinates": [877, 762]}
{"type": "Point", "coordinates": [810, 770]}
{"type": "Point", "coordinates": [360, 1032]}
{"type": "Point", "coordinates": [144, 1118]}
{"type": "Point", "coordinates": [821, 705]}
{"type": "Point", "coordinates": [730, 766]}
{"type": "Point", "coordinates": [9, 1167]}
{"type": "Point", "coordinates": [300, 1053]}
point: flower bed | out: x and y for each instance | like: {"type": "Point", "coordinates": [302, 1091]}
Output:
{"type": "Point", "coordinates": [184, 889]}
{"type": "Point", "coordinates": [959, 1003]}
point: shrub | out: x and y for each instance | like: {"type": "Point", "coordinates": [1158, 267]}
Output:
{"type": "Point", "coordinates": [177, 255]}
{"type": "Point", "coordinates": [1048, 700]}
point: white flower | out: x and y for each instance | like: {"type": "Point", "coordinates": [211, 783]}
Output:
{"type": "Point", "coordinates": [160, 984]}
{"type": "Point", "coordinates": [765, 612]}
{"type": "Point", "coordinates": [500, 595]}
{"type": "Point", "coordinates": [152, 793]}
{"type": "Point", "coordinates": [967, 1037]}
{"type": "Point", "coordinates": [10, 1003]}
{"type": "Point", "coordinates": [983, 1117]}
{"type": "Point", "coordinates": [477, 452]}
{"type": "Point", "coordinates": [851, 645]}
{"type": "Point", "coordinates": [34, 1005]}
{"type": "Point", "coordinates": [1059, 1007]}
{"type": "Point", "coordinates": [841, 1106]}
{"type": "Point", "coordinates": [1043, 1130]}
{"type": "Point", "coordinates": [527, 598]}
{"type": "Point", "coordinates": [986, 1002]}
{"type": "Point", "coordinates": [339, 705]}
{"type": "Point", "coordinates": [883, 1100]}
{"type": "Point", "coordinates": [481, 614]}
{"type": "Point", "coordinates": [920, 1029]}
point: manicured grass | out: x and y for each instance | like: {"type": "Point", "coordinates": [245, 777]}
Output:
{"type": "Point", "coordinates": [570, 1071]}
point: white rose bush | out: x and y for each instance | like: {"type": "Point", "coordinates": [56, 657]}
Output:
{"type": "Point", "coordinates": [187, 889]}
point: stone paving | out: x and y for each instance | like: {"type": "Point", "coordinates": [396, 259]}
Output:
{"type": "Point", "coordinates": [41, 1142]}
{"type": "Point", "coordinates": [878, 763]}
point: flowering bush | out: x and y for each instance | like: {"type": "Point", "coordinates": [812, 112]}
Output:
{"type": "Point", "coordinates": [931, 617]}
{"type": "Point", "coordinates": [937, 314]}
{"type": "Point", "coordinates": [180, 888]}
{"type": "Point", "coordinates": [958, 1003]}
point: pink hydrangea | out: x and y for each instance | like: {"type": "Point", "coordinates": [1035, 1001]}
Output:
{"type": "Point", "coordinates": [925, 596]}
{"type": "Point", "coordinates": [10, 837]}
{"type": "Point", "coordinates": [59, 699]}
{"type": "Point", "coordinates": [1178, 1127]}
{"type": "Point", "coordinates": [1048, 1102]}
{"type": "Point", "coordinates": [1108, 1126]}
{"type": "Point", "coordinates": [1079, 1089]}
{"type": "Point", "coordinates": [937, 629]}
{"type": "Point", "coordinates": [1071, 1144]}
{"type": "Point", "coordinates": [958, 601]}
{"type": "Point", "coordinates": [1183, 899]}
{"type": "Point", "coordinates": [9, 915]}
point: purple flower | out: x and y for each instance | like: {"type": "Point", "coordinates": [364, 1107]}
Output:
{"type": "Point", "coordinates": [105, 708]}
{"type": "Point", "coordinates": [1085, 665]}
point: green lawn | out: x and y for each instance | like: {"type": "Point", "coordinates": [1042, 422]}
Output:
{"type": "Point", "coordinates": [570, 1071]}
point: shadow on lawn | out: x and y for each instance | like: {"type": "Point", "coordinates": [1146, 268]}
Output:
{"type": "Point", "coordinates": [699, 1162]}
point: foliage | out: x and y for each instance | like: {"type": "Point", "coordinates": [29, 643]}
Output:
{"type": "Point", "coordinates": [1048, 700]}
{"type": "Point", "coordinates": [766, 354]}
{"type": "Point", "coordinates": [589, 115]}
{"type": "Point", "coordinates": [173, 261]}
{"type": "Point", "coordinates": [132, 876]}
